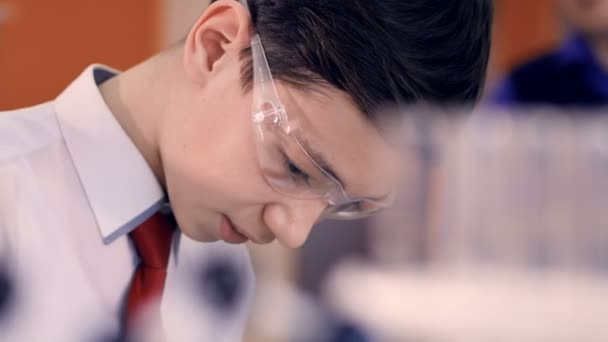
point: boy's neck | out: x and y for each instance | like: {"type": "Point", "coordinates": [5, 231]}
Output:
{"type": "Point", "coordinates": [140, 98]}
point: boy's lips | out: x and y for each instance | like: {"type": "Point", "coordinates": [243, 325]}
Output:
{"type": "Point", "coordinates": [229, 233]}
{"type": "Point", "coordinates": [230, 228]}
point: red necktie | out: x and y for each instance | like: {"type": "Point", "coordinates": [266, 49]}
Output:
{"type": "Point", "coordinates": [153, 243]}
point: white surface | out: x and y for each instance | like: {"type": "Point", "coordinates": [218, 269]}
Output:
{"type": "Point", "coordinates": [473, 305]}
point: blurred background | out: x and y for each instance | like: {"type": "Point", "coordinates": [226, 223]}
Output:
{"type": "Point", "coordinates": [46, 44]}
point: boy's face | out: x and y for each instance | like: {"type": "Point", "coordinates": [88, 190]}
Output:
{"type": "Point", "coordinates": [213, 172]}
{"type": "Point", "coordinates": [587, 16]}
{"type": "Point", "coordinates": [209, 147]}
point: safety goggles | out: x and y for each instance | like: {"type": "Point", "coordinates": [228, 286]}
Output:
{"type": "Point", "coordinates": [284, 157]}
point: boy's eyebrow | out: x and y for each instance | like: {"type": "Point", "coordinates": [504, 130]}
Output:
{"type": "Point", "coordinates": [320, 160]}
{"type": "Point", "coordinates": [326, 166]}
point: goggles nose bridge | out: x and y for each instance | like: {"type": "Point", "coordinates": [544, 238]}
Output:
{"type": "Point", "coordinates": [336, 196]}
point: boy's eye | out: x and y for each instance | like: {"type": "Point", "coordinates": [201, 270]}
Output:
{"type": "Point", "coordinates": [293, 168]}
{"type": "Point", "coordinates": [295, 172]}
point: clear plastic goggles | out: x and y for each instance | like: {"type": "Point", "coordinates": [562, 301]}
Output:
{"type": "Point", "coordinates": [283, 158]}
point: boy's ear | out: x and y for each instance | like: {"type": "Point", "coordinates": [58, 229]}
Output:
{"type": "Point", "coordinates": [219, 35]}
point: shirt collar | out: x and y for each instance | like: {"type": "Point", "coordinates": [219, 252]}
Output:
{"type": "Point", "coordinates": [120, 186]}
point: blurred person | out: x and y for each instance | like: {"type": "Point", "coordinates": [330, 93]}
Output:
{"type": "Point", "coordinates": [576, 73]}
{"type": "Point", "coordinates": [261, 123]}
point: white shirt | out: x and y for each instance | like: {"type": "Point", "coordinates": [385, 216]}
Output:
{"type": "Point", "coordinates": [72, 186]}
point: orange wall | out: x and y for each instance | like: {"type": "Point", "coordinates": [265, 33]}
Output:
{"type": "Point", "coordinates": [46, 43]}
{"type": "Point", "coordinates": [523, 29]}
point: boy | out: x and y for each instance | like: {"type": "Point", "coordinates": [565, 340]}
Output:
{"type": "Point", "coordinates": [260, 124]}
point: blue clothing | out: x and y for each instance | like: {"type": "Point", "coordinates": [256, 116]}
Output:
{"type": "Point", "coordinates": [569, 76]}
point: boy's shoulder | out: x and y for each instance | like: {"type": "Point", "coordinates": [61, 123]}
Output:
{"type": "Point", "coordinates": [24, 131]}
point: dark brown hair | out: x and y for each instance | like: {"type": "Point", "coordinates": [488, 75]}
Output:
{"type": "Point", "coordinates": [378, 51]}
